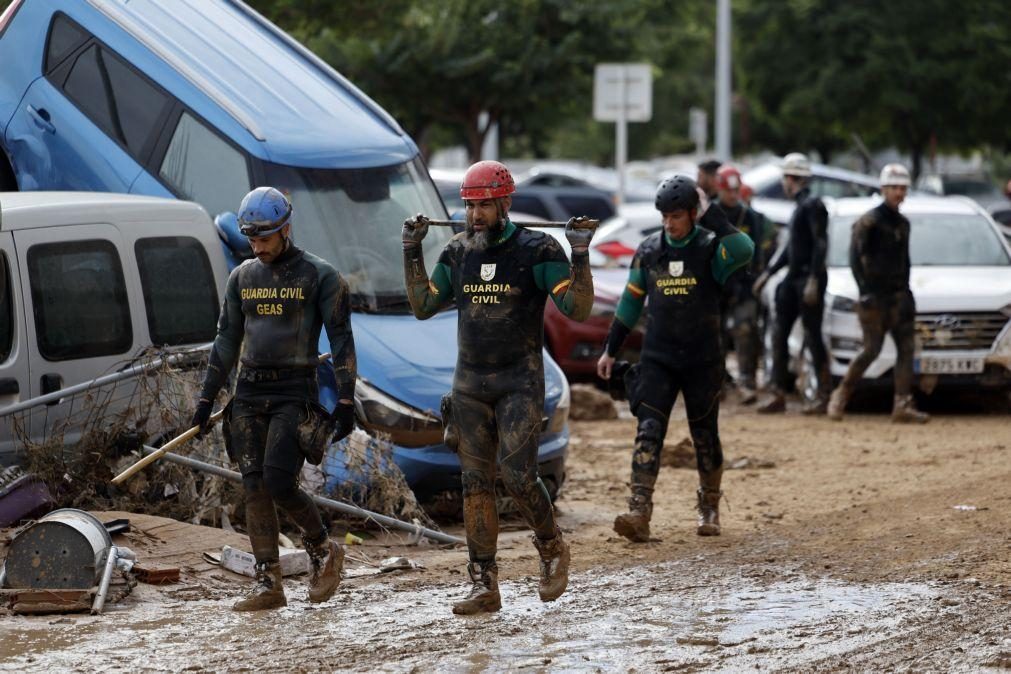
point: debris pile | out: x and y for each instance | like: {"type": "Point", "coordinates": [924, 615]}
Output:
{"type": "Point", "coordinates": [591, 404]}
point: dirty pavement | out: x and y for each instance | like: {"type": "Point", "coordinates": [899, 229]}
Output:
{"type": "Point", "coordinates": [857, 546]}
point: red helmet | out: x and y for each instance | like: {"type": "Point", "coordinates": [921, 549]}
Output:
{"type": "Point", "coordinates": [487, 180]}
{"type": "Point", "coordinates": [728, 178]}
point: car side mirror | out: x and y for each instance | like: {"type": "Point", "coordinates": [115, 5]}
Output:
{"type": "Point", "coordinates": [236, 245]}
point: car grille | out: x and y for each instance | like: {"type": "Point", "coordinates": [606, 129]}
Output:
{"type": "Point", "coordinates": [976, 330]}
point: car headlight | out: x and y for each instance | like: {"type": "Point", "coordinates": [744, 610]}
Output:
{"type": "Point", "coordinates": [561, 415]}
{"type": "Point", "coordinates": [840, 303]}
{"type": "Point", "coordinates": [406, 425]}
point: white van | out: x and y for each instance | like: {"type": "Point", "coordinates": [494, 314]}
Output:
{"type": "Point", "coordinates": [88, 280]}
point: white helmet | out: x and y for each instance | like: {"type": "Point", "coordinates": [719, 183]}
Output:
{"type": "Point", "coordinates": [894, 174]}
{"type": "Point", "coordinates": [797, 164]}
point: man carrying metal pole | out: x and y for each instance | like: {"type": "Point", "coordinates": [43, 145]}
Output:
{"type": "Point", "coordinates": [274, 309]}
{"type": "Point", "coordinates": [681, 271]}
{"type": "Point", "coordinates": [500, 276]}
{"type": "Point", "coordinates": [879, 258]}
{"type": "Point", "coordinates": [802, 292]}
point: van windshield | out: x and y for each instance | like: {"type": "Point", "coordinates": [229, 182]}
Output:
{"type": "Point", "coordinates": [353, 217]}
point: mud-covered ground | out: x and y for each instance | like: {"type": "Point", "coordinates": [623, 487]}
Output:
{"type": "Point", "coordinates": [860, 545]}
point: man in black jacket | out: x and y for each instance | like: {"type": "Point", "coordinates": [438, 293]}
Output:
{"type": "Point", "coordinates": [802, 292]}
{"type": "Point", "coordinates": [879, 258]}
{"type": "Point", "coordinates": [274, 309]}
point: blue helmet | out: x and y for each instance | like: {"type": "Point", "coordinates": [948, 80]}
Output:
{"type": "Point", "coordinates": [264, 211]}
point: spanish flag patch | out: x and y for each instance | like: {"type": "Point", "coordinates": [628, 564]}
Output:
{"type": "Point", "coordinates": [432, 288]}
{"type": "Point", "coordinates": [562, 285]}
{"type": "Point", "coordinates": [635, 290]}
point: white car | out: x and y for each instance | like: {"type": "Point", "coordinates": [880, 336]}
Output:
{"type": "Point", "coordinates": [961, 279]}
{"type": "Point", "coordinates": [826, 181]}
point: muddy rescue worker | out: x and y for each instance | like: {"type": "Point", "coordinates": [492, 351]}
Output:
{"type": "Point", "coordinates": [681, 270]}
{"type": "Point", "coordinates": [802, 292]}
{"type": "Point", "coordinates": [274, 309]}
{"type": "Point", "coordinates": [879, 258]}
{"type": "Point", "coordinates": [500, 275]}
{"type": "Point", "coordinates": [742, 306]}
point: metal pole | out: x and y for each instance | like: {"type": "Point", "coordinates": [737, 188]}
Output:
{"type": "Point", "coordinates": [134, 371]}
{"type": "Point", "coordinates": [621, 135]}
{"type": "Point", "coordinates": [328, 503]}
{"type": "Point", "coordinates": [103, 586]}
{"type": "Point", "coordinates": [723, 149]}
{"type": "Point", "coordinates": [555, 225]}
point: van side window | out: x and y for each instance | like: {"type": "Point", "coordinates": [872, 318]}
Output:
{"type": "Point", "coordinates": [523, 203]}
{"type": "Point", "coordinates": [123, 103]}
{"type": "Point", "coordinates": [80, 301]}
{"type": "Point", "coordinates": [204, 168]}
{"type": "Point", "coordinates": [6, 311]}
{"type": "Point", "coordinates": [179, 292]}
{"type": "Point", "coordinates": [65, 36]}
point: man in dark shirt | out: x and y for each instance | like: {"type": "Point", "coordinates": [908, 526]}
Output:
{"type": "Point", "coordinates": [802, 292]}
{"type": "Point", "coordinates": [741, 304]}
{"type": "Point", "coordinates": [271, 318]}
{"type": "Point", "coordinates": [681, 270]}
{"type": "Point", "coordinates": [879, 258]}
{"type": "Point", "coordinates": [500, 276]}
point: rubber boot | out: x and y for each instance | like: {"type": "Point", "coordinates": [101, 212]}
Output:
{"type": "Point", "coordinates": [904, 411]}
{"type": "Point", "coordinates": [484, 596]}
{"type": "Point", "coordinates": [837, 403]}
{"type": "Point", "coordinates": [267, 593]}
{"type": "Point", "coordinates": [708, 505]}
{"type": "Point", "coordinates": [634, 525]}
{"type": "Point", "coordinates": [554, 566]}
{"type": "Point", "coordinates": [327, 560]}
{"type": "Point", "coordinates": [776, 404]}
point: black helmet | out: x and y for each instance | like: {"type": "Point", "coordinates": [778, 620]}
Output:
{"type": "Point", "coordinates": [677, 193]}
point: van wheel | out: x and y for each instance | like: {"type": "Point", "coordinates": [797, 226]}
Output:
{"type": "Point", "coordinates": [8, 183]}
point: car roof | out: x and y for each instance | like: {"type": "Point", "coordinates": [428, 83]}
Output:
{"type": "Point", "coordinates": [27, 210]}
{"type": "Point", "coordinates": [820, 170]}
{"type": "Point", "coordinates": [302, 111]}
{"type": "Point", "coordinates": [913, 204]}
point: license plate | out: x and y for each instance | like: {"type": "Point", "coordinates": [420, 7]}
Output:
{"type": "Point", "coordinates": [948, 365]}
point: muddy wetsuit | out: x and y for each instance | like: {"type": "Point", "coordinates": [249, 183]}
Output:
{"type": "Point", "coordinates": [805, 254]}
{"type": "Point", "coordinates": [497, 401]}
{"type": "Point", "coordinates": [879, 258]}
{"type": "Point", "coordinates": [681, 353]}
{"type": "Point", "coordinates": [741, 303]}
{"type": "Point", "coordinates": [275, 312]}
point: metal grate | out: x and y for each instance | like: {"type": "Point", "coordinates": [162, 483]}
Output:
{"type": "Point", "coordinates": [968, 330]}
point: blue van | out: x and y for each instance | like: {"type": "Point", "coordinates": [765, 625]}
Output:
{"type": "Point", "coordinates": [205, 99]}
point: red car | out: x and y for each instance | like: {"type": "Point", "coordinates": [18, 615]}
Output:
{"type": "Point", "coordinates": [577, 346]}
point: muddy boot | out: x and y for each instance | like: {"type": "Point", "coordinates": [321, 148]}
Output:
{"type": "Point", "coordinates": [484, 596]}
{"type": "Point", "coordinates": [634, 525]}
{"type": "Point", "coordinates": [709, 511]}
{"type": "Point", "coordinates": [747, 393]}
{"type": "Point", "coordinates": [837, 403]}
{"type": "Point", "coordinates": [904, 411]}
{"type": "Point", "coordinates": [327, 558]}
{"type": "Point", "coordinates": [776, 404]}
{"type": "Point", "coordinates": [267, 593]}
{"type": "Point", "coordinates": [816, 407]}
{"type": "Point", "coordinates": [554, 566]}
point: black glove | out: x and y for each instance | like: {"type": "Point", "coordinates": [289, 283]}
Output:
{"type": "Point", "coordinates": [578, 235]}
{"type": "Point", "coordinates": [202, 416]}
{"type": "Point", "coordinates": [414, 231]}
{"type": "Point", "coordinates": [344, 419]}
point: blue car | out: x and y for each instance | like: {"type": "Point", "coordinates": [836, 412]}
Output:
{"type": "Point", "coordinates": [205, 99]}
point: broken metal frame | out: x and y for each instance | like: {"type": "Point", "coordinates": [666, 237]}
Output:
{"type": "Point", "coordinates": [327, 503]}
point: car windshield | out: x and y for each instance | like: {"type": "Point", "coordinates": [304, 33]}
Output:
{"type": "Point", "coordinates": [353, 218]}
{"type": "Point", "coordinates": [936, 239]}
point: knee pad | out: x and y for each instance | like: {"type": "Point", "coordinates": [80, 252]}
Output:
{"type": "Point", "coordinates": [475, 482]}
{"type": "Point", "coordinates": [649, 434]}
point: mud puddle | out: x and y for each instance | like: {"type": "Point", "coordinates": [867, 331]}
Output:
{"type": "Point", "coordinates": [650, 618]}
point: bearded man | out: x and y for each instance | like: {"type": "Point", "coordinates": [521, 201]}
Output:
{"type": "Point", "coordinates": [500, 276]}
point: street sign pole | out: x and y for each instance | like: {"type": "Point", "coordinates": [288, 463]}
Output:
{"type": "Point", "coordinates": [621, 137]}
